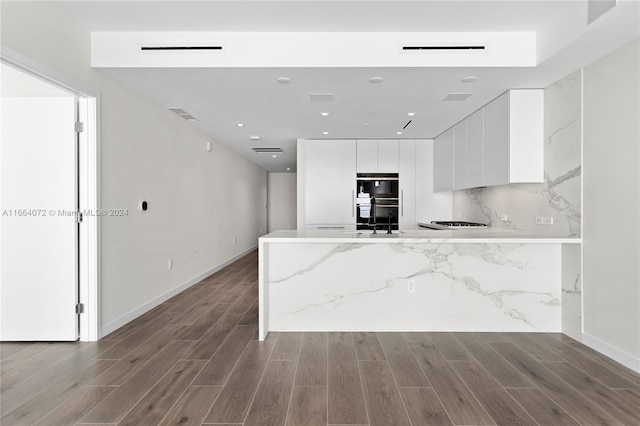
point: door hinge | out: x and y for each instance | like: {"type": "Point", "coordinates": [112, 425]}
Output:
{"type": "Point", "coordinates": [79, 126]}
{"type": "Point", "coordinates": [80, 308]}
{"type": "Point", "coordinates": [79, 217]}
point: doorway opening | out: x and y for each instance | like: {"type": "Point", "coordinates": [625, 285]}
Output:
{"type": "Point", "coordinates": [49, 207]}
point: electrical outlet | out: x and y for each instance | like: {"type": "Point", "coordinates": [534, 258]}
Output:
{"type": "Point", "coordinates": [459, 215]}
{"type": "Point", "coordinates": [411, 285]}
{"type": "Point", "coordinates": [539, 220]}
{"type": "Point", "coordinates": [170, 264]}
{"type": "Point", "coordinates": [547, 220]}
{"type": "Point", "coordinates": [234, 240]}
{"type": "Point", "coordinates": [504, 217]}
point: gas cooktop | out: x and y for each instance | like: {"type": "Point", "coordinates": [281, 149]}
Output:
{"type": "Point", "coordinates": [451, 224]}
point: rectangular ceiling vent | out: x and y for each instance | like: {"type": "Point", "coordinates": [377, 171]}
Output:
{"type": "Point", "coordinates": [180, 48]}
{"type": "Point", "coordinates": [441, 48]}
{"type": "Point", "coordinates": [457, 97]}
{"type": "Point", "coordinates": [267, 150]}
{"type": "Point", "coordinates": [321, 97]}
{"type": "Point", "coordinates": [182, 113]}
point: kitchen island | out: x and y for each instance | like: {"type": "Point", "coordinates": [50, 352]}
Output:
{"type": "Point", "coordinates": [423, 280]}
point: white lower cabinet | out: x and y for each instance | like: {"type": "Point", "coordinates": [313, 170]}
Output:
{"type": "Point", "coordinates": [407, 184]}
{"type": "Point", "coordinates": [330, 183]}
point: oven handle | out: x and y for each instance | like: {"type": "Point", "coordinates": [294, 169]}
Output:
{"type": "Point", "coordinates": [402, 202]}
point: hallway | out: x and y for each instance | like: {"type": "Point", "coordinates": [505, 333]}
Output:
{"type": "Point", "coordinates": [196, 360]}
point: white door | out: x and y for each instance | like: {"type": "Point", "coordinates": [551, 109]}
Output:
{"type": "Point", "coordinates": [38, 281]}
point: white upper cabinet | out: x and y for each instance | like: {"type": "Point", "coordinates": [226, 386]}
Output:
{"type": "Point", "coordinates": [500, 144]}
{"type": "Point", "coordinates": [496, 141]}
{"type": "Point", "coordinates": [377, 156]}
{"type": "Point", "coordinates": [460, 153]}
{"type": "Point", "coordinates": [443, 162]}
{"type": "Point", "coordinates": [514, 138]}
{"type": "Point", "coordinates": [330, 182]}
{"type": "Point", "coordinates": [475, 149]}
{"type": "Point", "coordinates": [407, 184]}
{"type": "Point", "coordinates": [387, 156]}
{"type": "Point", "coordinates": [367, 156]}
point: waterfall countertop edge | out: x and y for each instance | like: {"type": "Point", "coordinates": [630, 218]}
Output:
{"type": "Point", "coordinates": [455, 236]}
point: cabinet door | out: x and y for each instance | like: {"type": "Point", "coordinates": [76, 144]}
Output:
{"type": "Point", "coordinates": [387, 156]}
{"type": "Point", "coordinates": [407, 181]}
{"type": "Point", "coordinates": [367, 156]}
{"type": "Point", "coordinates": [496, 141]}
{"type": "Point", "coordinates": [460, 136]}
{"type": "Point", "coordinates": [330, 182]}
{"type": "Point", "coordinates": [475, 149]}
{"type": "Point", "coordinates": [443, 162]}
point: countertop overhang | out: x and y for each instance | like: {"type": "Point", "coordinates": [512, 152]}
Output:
{"type": "Point", "coordinates": [455, 236]}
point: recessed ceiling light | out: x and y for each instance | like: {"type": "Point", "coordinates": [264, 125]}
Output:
{"type": "Point", "coordinates": [288, 168]}
{"type": "Point", "coordinates": [398, 133]}
{"type": "Point", "coordinates": [254, 138]}
{"type": "Point", "coordinates": [366, 124]}
{"type": "Point", "coordinates": [324, 114]}
{"type": "Point", "coordinates": [239, 125]}
{"type": "Point", "coordinates": [411, 114]}
{"type": "Point", "coordinates": [376, 80]}
{"type": "Point", "coordinates": [325, 133]}
{"type": "Point", "coordinates": [274, 156]}
{"type": "Point", "coordinates": [469, 79]}
{"type": "Point", "coordinates": [283, 80]}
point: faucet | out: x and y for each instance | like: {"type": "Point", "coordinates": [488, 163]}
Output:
{"type": "Point", "coordinates": [389, 225]}
{"type": "Point", "coordinates": [373, 212]}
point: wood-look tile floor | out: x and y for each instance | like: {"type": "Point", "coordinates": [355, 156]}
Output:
{"type": "Point", "coordinates": [196, 360]}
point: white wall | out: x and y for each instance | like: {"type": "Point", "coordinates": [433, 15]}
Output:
{"type": "Point", "coordinates": [281, 211]}
{"type": "Point", "coordinates": [198, 201]}
{"type": "Point", "coordinates": [611, 231]}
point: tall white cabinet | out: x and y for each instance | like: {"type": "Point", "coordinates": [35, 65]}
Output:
{"type": "Point", "coordinates": [330, 184]}
{"type": "Point", "coordinates": [407, 183]}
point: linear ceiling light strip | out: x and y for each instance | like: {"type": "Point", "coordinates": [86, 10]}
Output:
{"type": "Point", "coordinates": [443, 47]}
{"type": "Point", "coordinates": [181, 48]}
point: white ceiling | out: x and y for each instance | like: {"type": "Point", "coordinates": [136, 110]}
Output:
{"type": "Point", "coordinates": [281, 113]}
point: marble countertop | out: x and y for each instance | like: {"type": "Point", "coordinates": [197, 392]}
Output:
{"type": "Point", "coordinates": [477, 236]}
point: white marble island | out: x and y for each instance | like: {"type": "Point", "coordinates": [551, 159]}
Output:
{"type": "Point", "coordinates": [426, 280]}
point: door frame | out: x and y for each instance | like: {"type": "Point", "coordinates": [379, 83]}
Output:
{"type": "Point", "coordinates": [89, 272]}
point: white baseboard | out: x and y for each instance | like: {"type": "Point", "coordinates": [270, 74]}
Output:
{"type": "Point", "coordinates": [116, 324]}
{"type": "Point", "coordinates": [612, 352]}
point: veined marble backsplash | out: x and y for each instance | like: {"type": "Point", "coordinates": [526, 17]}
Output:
{"type": "Point", "coordinates": [560, 194]}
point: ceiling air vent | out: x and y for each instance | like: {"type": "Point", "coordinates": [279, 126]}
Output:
{"type": "Point", "coordinates": [457, 96]}
{"type": "Point", "coordinates": [267, 150]}
{"type": "Point", "coordinates": [165, 48]}
{"type": "Point", "coordinates": [321, 97]}
{"type": "Point", "coordinates": [182, 113]}
{"type": "Point", "coordinates": [441, 48]}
